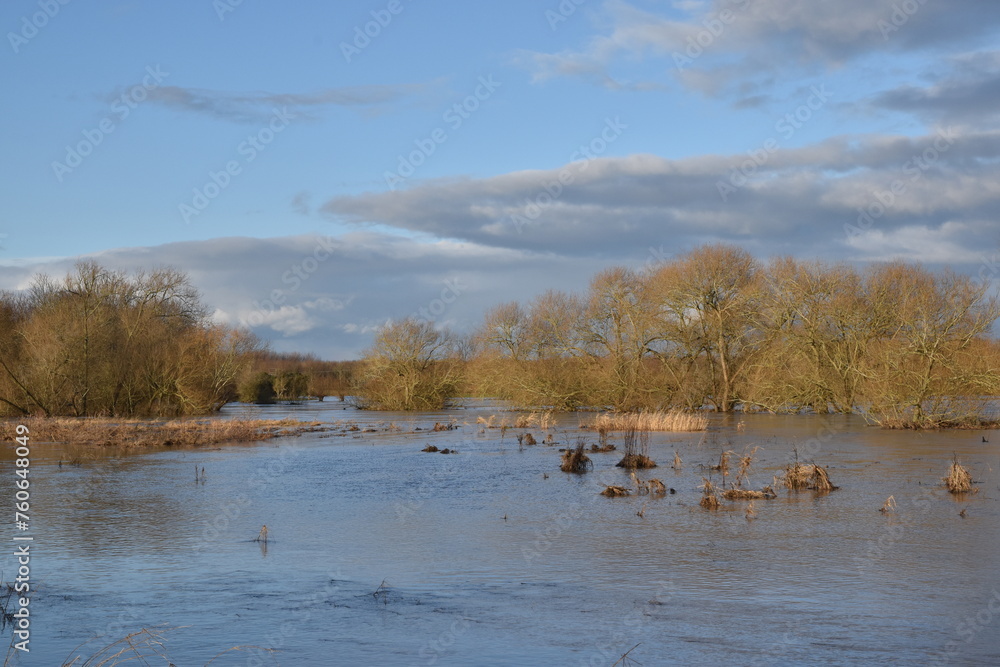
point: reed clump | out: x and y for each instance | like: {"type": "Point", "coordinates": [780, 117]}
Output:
{"type": "Point", "coordinates": [749, 494]}
{"type": "Point", "coordinates": [131, 433]}
{"type": "Point", "coordinates": [807, 476]}
{"type": "Point", "coordinates": [709, 495]}
{"type": "Point", "coordinates": [959, 479]}
{"type": "Point", "coordinates": [636, 447]}
{"type": "Point", "coordinates": [430, 448]}
{"type": "Point", "coordinates": [615, 491]}
{"type": "Point", "coordinates": [888, 506]}
{"type": "Point", "coordinates": [673, 420]}
{"type": "Point", "coordinates": [636, 461]}
{"type": "Point", "coordinates": [575, 461]}
{"type": "Point", "coordinates": [656, 487]}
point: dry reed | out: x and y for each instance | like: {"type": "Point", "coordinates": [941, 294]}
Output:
{"type": "Point", "coordinates": [959, 480]}
{"type": "Point", "coordinates": [677, 462]}
{"type": "Point", "coordinates": [636, 461]}
{"type": "Point", "coordinates": [636, 446]}
{"type": "Point", "coordinates": [575, 461]}
{"type": "Point", "coordinates": [807, 476]}
{"type": "Point", "coordinates": [656, 487]}
{"type": "Point", "coordinates": [710, 495]}
{"type": "Point", "coordinates": [640, 487]}
{"type": "Point", "coordinates": [615, 491]}
{"type": "Point", "coordinates": [674, 420]}
{"type": "Point", "coordinates": [888, 506]}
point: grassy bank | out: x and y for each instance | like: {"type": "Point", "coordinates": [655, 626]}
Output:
{"type": "Point", "coordinates": [155, 433]}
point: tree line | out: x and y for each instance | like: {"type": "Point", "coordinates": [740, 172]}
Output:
{"type": "Point", "coordinates": [716, 329]}
{"type": "Point", "coordinates": [103, 342]}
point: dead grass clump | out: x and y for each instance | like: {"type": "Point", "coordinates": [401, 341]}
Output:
{"type": "Point", "coordinates": [529, 439]}
{"type": "Point", "coordinates": [821, 480]}
{"type": "Point", "coordinates": [736, 493]}
{"type": "Point", "coordinates": [488, 422]}
{"type": "Point", "coordinates": [603, 449]}
{"type": "Point", "coordinates": [888, 506]}
{"type": "Point", "coordinates": [656, 487]}
{"type": "Point", "coordinates": [526, 421]}
{"type": "Point", "coordinates": [444, 427]}
{"type": "Point", "coordinates": [807, 476]}
{"type": "Point", "coordinates": [636, 461]}
{"type": "Point", "coordinates": [723, 465]}
{"type": "Point", "coordinates": [642, 488]}
{"type": "Point", "coordinates": [674, 420]}
{"type": "Point", "coordinates": [636, 446]}
{"type": "Point", "coordinates": [959, 480]}
{"type": "Point", "coordinates": [709, 495]}
{"type": "Point", "coordinates": [575, 461]}
{"type": "Point", "coordinates": [430, 448]}
{"type": "Point", "coordinates": [615, 492]}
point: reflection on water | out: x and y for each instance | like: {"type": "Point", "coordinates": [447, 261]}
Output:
{"type": "Point", "coordinates": [486, 561]}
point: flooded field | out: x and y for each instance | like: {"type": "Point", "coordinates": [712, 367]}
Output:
{"type": "Point", "coordinates": [379, 553]}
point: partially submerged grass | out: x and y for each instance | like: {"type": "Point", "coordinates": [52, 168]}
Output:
{"type": "Point", "coordinates": [736, 493]}
{"type": "Point", "coordinates": [959, 479]}
{"type": "Point", "coordinates": [152, 433]}
{"type": "Point", "coordinates": [636, 461]}
{"type": "Point", "coordinates": [636, 445]}
{"type": "Point", "coordinates": [615, 491]}
{"type": "Point", "coordinates": [146, 646]}
{"type": "Point", "coordinates": [807, 476]}
{"type": "Point", "coordinates": [575, 461]}
{"type": "Point", "coordinates": [888, 506]}
{"type": "Point", "coordinates": [709, 495]}
{"type": "Point", "coordinates": [674, 420]}
{"type": "Point", "coordinates": [736, 490]}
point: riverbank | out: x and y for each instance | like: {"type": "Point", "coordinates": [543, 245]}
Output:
{"type": "Point", "coordinates": [130, 433]}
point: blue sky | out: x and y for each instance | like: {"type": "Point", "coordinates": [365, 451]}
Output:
{"type": "Point", "coordinates": [315, 184]}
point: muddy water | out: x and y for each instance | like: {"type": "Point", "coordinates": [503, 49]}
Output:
{"type": "Point", "coordinates": [381, 554]}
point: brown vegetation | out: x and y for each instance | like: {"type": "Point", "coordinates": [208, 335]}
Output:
{"type": "Point", "coordinates": [674, 420]}
{"type": "Point", "coordinates": [410, 366]}
{"type": "Point", "coordinates": [636, 446]}
{"type": "Point", "coordinates": [575, 461]}
{"type": "Point", "coordinates": [143, 433]}
{"type": "Point", "coordinates": [888, 506]}
{"type": "Point", "coordinates": [709, 495]}
{"type": "Point", "coordinates": [807, 476]}
{"type": "Point", "coordinates": [893, 342]}
{"type": "Point", "coordinates": [959, 480]}
{"type": "Point", "coordinates": [615, 492]}
{"type": "Point", "coordinates": [108, 343]}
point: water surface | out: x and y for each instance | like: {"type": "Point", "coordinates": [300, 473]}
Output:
{"type": "Point", "coordinates": [379, 553]}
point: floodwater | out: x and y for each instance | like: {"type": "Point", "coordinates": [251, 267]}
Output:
{"type": "Point", "coordinates": [381, 554]}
